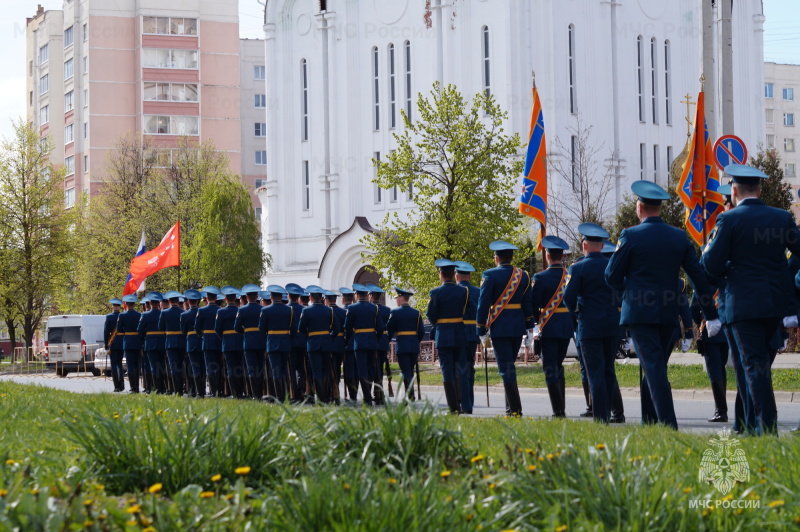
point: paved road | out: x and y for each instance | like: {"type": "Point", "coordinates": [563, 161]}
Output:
{"type": "Point", "coordinates": [691, 410]}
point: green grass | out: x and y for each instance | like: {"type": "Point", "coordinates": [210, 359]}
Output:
{"type": "Point", "coordinates": [110, 462]}
{"type": "Point", "coordinates": [681, 377]}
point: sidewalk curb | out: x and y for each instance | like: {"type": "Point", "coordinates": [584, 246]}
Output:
{"type": "Point", "coordinates": [633, 393]}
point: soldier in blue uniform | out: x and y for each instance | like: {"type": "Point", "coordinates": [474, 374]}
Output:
{"type": "Point", "coordinates": [338, 345]}
{"type": "Point", "coordinates": [154, 354]}
{"type": "Point", "coordinates": [232, 342]}
{"type": "Point", "coordinates": [446, 308]}
{"type": "Point", "coordinates": [645, 270]}
{"type": "Point", "coordinates": [210, 343]}
{"type": "Point", "coordinates": [277, 321]}
{"type": "Point", "coordinates": [363, 325]}
{"type": "Point", "coordinates": [466, 372]}
{"type": "Point", "coordinates": [715, 352]}
{"type": "Point", "coordinates": [114, 345]}
{"type": "Point", "coordinates": [349, 362]}
{"type": "Point", "coordinates": [747, 249]}
{"type": "Point", "coordinates": [127, 328]}
{"type": "Point", "coordinates": [617, 406]}
{"type": "Point", "coordinates": [169, 323]}
{"type": "Point", "coordinates": [555, 322]}
{"type": "Point", "coordinates": [194, 351]}
{"type": "Point", "coordinates": [505, 311]}
{"type": "Point", "coordinates": [406, 326]}
{"type": "Point", "coordinates": [318, 322]}
{"type": "Point", "coordinates": [596, 308]}
{"type": "Point", "coordinates": [382, 353]}
{"type": "Point", "coordinates": [298, 362]}
{"type": "Point", "coordinates": [255, 341]}
{"type": "Point", "coordinates": [144, 365]}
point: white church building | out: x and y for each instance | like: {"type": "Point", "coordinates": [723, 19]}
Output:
{"type": "Point", "coordinates": [339, 72]}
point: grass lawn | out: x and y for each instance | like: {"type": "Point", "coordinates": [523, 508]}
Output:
{"type": "Point", "coordinates": [681, 377]}
{"type": "Point", "coordinates": [116, 462]}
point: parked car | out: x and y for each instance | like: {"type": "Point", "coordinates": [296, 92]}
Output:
{"type": "Point", "coordinates": [71, 341]}
{"type": "Point", "coordinates": [102, 362]}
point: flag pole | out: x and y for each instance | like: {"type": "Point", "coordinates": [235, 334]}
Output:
{"type": "Point", "coordinates": [542, 230]}
{"type": "Point", "coordinates": [705, 177]}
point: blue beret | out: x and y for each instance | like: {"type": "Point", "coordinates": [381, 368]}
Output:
{"type": "Point", "coordinates": [276, 289]}
{"type": "Point", "coordinates": [346, 291]}
{"type": "Point", "coordinates": [314, 289]}
{"type": "Point", "coordinates": [360, 287]}
{"type": "Point", "coordinates": [592, 232]}
{"type": "Point", "coordinates": [116, 301]}
{"type": "Point", "coordinates": [130, 298]}
{"type": "Point", "coordinates": [553, 242]}
{"type": "Point", "coordinates": [251, 288]}
{"type": "Point", "coordinates": [608, 247]}
{"type": "Point", "coordinates": [502, 245]}
{"type": "Point", "coordinates": [464, 267]}
{"type": "Point", "coordinates": [305, 293]}
{"type": "Point", "coordinates": [144, 300]}
{"type": "Point", "coordinates": [375, 289]}
{"type": "Point", "coordinates": [172, 294]}
{"type": "Point", "coordinates": [228, 287]}
{"type": "Point", "coordinates": [402, 292]}
{"type": "Point", "coordinates": [155, 296]}
{"type": "Point", "coordinates": [230, 291]}
{"type": "Point", "coordinates": [211, 290]}
{"type": "Point", "coordinates": [263, 294]}
{"type": "Point", "coordinates": [294, 289]}
{"type": "Point", "coordinates": [444, 263]}
{"type": "Point", "coordinates": [330, 293]}
{"type": "Point", "coordinates": [192, 294]}
{"type": "Point", "coordinates": [744, 171]}
{"type": "Point", "coordinates": [649, 192]}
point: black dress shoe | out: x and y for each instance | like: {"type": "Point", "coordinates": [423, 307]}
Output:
{"type": "Point", "coordinates": [617, 419]}
{"type": "Point", "coordinates": [588, 413]}
{"type": "Point", "coordinates": [718, 417]}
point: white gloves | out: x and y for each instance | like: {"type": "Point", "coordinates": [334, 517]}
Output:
{"type": "Point", "coordinates": [536, 331]}
{"type": "Point", "coordinates": [713, 327]}
{"type": "Point", "coordinates": [790, 322]}
{"type": "Point", "coordinates": [529, 338]}
{"type": "Point", "coordinates": [686, 343]}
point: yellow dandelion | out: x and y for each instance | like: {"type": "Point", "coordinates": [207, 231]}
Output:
{"type": "Point", "coordinates": [159, 412]}
{"type": "Point", "coordinates": [529, 451]}
{"type": "Point", "coordinates": [11, 462]}
{"type": "Point", "coordinates": [216, 478]}
{"type": "Point", "coordinates": [541, 458]}
{"type": "Point", "coordinates": [762, 469]}
{"type": "Point", "coordinates": [346, 487]}
{"type": "Point", "coordinates": [796, 519]}
{"type": "Point", "coordinates": [178, 421]}
{"type": "Point", "coordinates": [449, 498]}
{"type": "Point", "coordinates": [738, 511]}
{"type": "Point", "coordinates": [35, 491]}
{"type": "Point", "coordinates": [135, 509]}
{"type": "Point", "coordinates": [468, 517]}
{"type": "Point", "coordinates": [99, 487]}
{"type": "Point", "coordinates": [728, 497]}
{"type": "Point", "coordinates": [149, 529]}
{"type": "Point", "coordinates": [116, 415]}
{"type": "Point", "coordinates": [391, 481]}
{"type": "Point", "coordinates": [477, 458]}
{"type": "Point", "coordinates": [600, 446]}
{"type": "Point", "coordinates": [486, 477]}
{"type": "Point", "coordinates": [206, 494]}
{"type": "Point", "coordinates": [550, 456]}
{"type": "Point", "coordinates": [561, 528]}
{"type": "Point", "coordinates": [88, 502]}
{"type": "Point", "coordinates": [600, 475]}
{"type": "Point", "coordinates": [688, 452]}
{"type": "Point", "coordinates": [132, 522]}
{"type": "Point", "coordinates": [687, 490]}
{"type": "Point", "coordinates": [229, 496]}
{"type": "Point", "coordinates": [775, 504]}
{"type": "Point", "coordinates": [492, 486]}
{"type": "Point", "coordinates": [444, 474]}
{"type": "Point", "coordinates": [88, 523]}
{"type": "Point", "coordinates": [510, 530]}
{"type": "Point", "coordinates": [3, 493]}
{"type": "Point", "coordinates": [155, 488]}
{"type": "Point", "coordinates": [244, 470]}
{"type": "Point", "coordinates": [705, 513]}
{"type": "Point", "coordinates": [146, 520]}
{"type": "Point", "coordinates": [532, 468]}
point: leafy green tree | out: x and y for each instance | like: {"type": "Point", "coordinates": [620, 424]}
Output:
{"type": "Point", "coordinates": [37, 231]}
{"type": "Point", "coordinates": [673, 212]}
{"type": "Point", "coordinates": [148, 190]}
{"type": "Point", "coordinates": [224, 243]}
{"type": "Point", "coordinates": [462, 169]}
{"type": "Point", "coordinates": [775, 191]}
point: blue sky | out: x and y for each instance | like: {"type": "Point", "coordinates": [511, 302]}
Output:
{"type": "Point", "coordinates": [781, 43]}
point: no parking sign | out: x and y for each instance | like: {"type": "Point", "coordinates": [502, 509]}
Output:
{"type": "Point", "coordinates": [729, 149]}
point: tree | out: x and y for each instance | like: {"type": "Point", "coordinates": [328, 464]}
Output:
{"type": "Point", "coordinates": [149, 189]}
{"type": "Point", "coordinates": [462, 169]}
{"type": "Point", "coordinates": [37, 231]}
{"type": "Point", "coordinates": [224, 243]}
{"type": "Point", "coordinates": [775, 191]}
{"type": "Point", "coordinates": [585, 186]}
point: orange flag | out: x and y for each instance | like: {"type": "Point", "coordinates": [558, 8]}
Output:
{"type": "Point", "coordinates": [166, 254]}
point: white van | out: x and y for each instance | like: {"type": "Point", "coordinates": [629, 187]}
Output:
{"type": "Point", "coordinates": [71, 341]}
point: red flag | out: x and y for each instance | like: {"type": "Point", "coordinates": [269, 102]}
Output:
{"type": "Point", "coordinates": [166, 254]}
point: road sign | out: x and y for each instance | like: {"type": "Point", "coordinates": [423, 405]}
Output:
{"type": "Point", "coordinates": [730, 149]}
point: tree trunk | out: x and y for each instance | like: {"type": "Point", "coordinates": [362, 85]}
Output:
{"type": "Point", "coordinates": [12, 335]}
